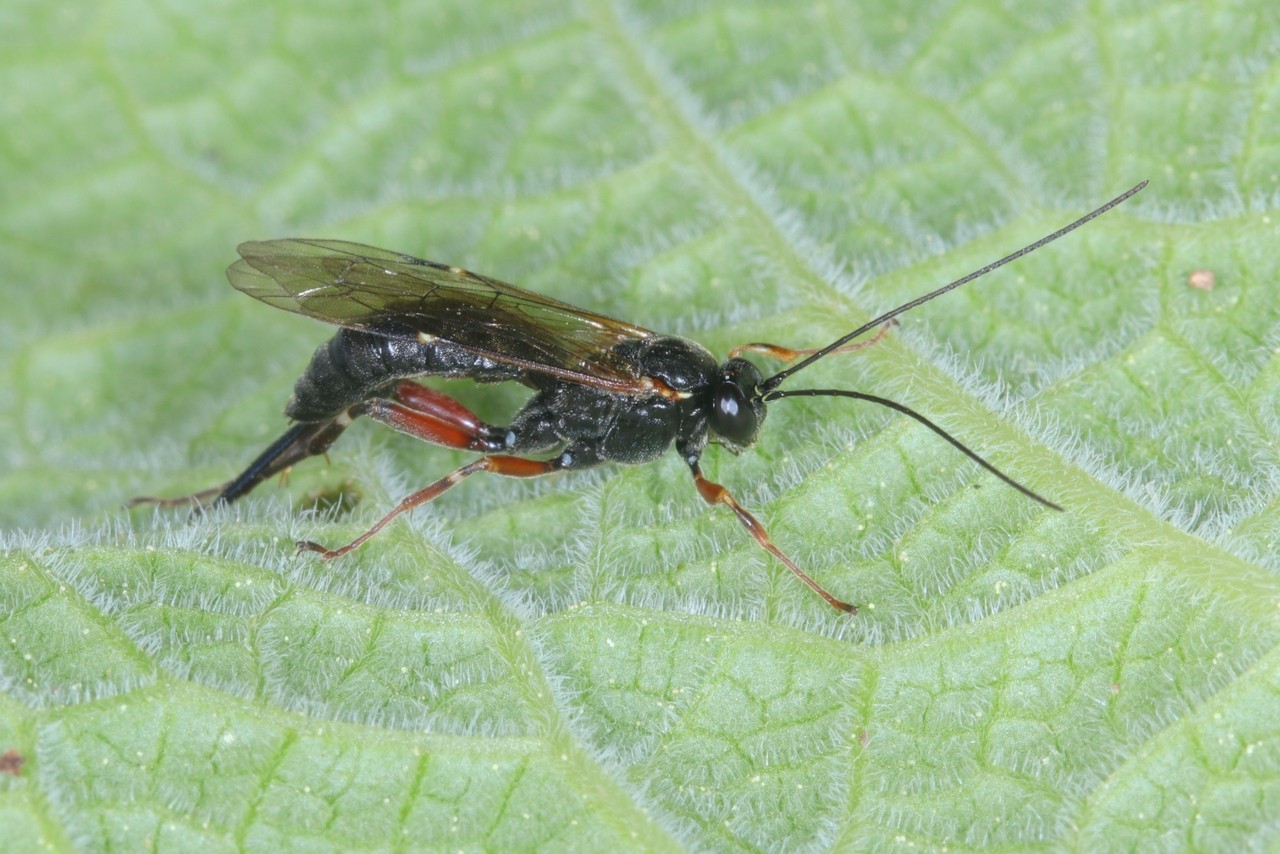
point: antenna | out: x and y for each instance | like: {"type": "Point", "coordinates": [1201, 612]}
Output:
{"type": "Point", "coordinates": [779, 378]}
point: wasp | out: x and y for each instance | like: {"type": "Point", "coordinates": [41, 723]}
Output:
{"type": "Point", "coordinates": [604, 391]}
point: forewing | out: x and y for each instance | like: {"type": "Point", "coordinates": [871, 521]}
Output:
{"type": "Point", "coordinates": [361, 287]}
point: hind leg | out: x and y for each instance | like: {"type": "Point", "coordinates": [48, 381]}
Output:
{"type": "Point", "coordinates": [414, 409]}
{"type": "Point", "coordinates": [298, 442]}
{"type": "Point", "coordinates": [434, 417]}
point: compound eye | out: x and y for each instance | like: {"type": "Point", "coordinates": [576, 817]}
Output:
{"type": "Point", "coordinates": [732, 415]}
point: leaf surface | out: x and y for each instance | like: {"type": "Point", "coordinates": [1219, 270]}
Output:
{"type": "Point", "coordinates": [598, 661]}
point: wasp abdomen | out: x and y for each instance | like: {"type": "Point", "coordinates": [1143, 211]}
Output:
{"type": "Point", "coordinates": [355, 365]}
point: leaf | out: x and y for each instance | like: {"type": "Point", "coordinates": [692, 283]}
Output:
{"type": "Point", "coordinates": [599, 662]}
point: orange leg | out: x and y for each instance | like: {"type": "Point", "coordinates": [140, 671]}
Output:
{"type": "Point", "coordinates": [786, 354]}
{"type": "Point", "coordinates": [433, 417]}
{"type": "Point", "coordinates": [509, 466]}
{"type": "Point", "coordinates": [714, 493]}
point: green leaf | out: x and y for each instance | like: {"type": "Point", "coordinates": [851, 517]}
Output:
{"type": "Point", "coordinates": [599, 661]}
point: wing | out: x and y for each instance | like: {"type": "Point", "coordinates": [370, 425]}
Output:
{"type": "Point", "coordinates": [360, 287]}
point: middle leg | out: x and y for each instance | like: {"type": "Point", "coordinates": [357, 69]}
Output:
{"type": "Point", "coordinates": [574, 457]}
{"type": "Point", "coordinates": [509, 466]}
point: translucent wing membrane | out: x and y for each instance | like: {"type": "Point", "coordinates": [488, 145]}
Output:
{"type": "Point", "coordinates": [360, 287]}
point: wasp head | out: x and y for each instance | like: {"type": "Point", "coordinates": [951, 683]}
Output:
{"type": "Point", "coordinates": [737, 407]}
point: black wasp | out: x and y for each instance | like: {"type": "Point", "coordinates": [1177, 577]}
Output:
{"type": "Point", "coordinates": [604, 391]}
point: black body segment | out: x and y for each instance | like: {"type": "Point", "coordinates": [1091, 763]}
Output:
{"type": "Point", "coordinates": [354, 366]}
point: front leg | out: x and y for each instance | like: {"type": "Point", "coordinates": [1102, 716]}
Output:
{"type": "Point", "coordinates": [714, 493]}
